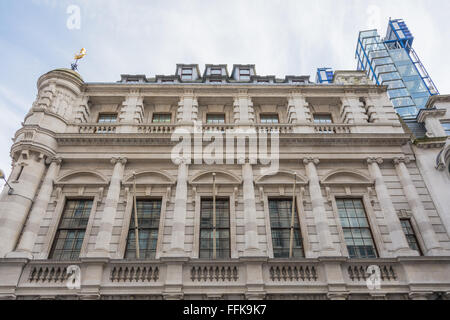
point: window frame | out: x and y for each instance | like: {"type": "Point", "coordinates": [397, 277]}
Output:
{"type": "Point", "coordinates": [50, 247]}
{"type": "Point", "coordinates": [323, 114]}
{"type": "Point", "coordinates": [160, 114]}
{"type": "Point", "coordinates": [375, 234]}
{"type": "Point", "coordinates": [214, 70]}
{"type": "Point", "coordinates": [187, 76]}
{"type": "Point", "coordinates": [131, 228]}
{"type": "Point", "coordinates": [261, 115]}
{"type": "Point", "coordinates": [107, 114]}
{"type": "Point", "coordinates": [215, 114]}
{"type": "Point", "coordinates": [415, 234]}
{"type": "Point", "coordinates": [299, 219]}
{"type": "Point", "coordinates": [219, 198]}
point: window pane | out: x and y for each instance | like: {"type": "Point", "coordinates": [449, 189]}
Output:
{"type": "Point", "coordinates": [222, 229]}
{"type": "Point", "coordinates": [149, 212]}
{"type": "Point", "coordinates": [410, 235]}
{"type": "Point", "coordinates": [107, 118]}
{"type": "Point", "coordinates": [356, 228]}
{"type": "Point", "coordinates": [269, 118]}
{"type": "Point", "coordinates": [280, 212]}
{"type": "Point", "coordinates": [70, 234]}
{"type": "Point", "coordinates": [162, 118]}
{"type": "Point", "coordinates": [215, 118]}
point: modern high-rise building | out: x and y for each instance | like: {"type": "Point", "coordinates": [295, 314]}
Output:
{"type": "Point", "coordinates": [138, 189]}
{"type": "Point", "coordinates": [392, 61]}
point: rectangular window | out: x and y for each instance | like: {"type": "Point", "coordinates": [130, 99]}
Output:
{"type": "Point", "coordinates": [70, 235]}
{"type": "Point", "coordinates": [355, 225]}
{"type": "Point", "coordinates": [162, 118]}
{"type": "Point", "coordinates": [269, 118]}
{"type": "Point", "coordinates": [186, 74]}
{"type": "Point", "coordinates": [107, 118]}
{"type": "Point", "coordinates": [410, 235]}
{"type": "Point", "coordinates": [280, 211]}
{"type": "Point", "coordinates": [446, 126]}
{"type": "Point", "coordinates": [215, 118]}
{"type": "Point", "coordinates": [323, 118]}
{"type": "Point", "coordinates": [216, 71]}
{"type": "Point", "coordinates": [244, 74]}
{"type": "Point", "coordinates": [149, 212]}
{"type": "Point", "coordinates": [221, 228]}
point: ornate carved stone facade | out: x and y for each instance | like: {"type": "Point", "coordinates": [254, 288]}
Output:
{"type": "Point", "coordinates": [66, 152]}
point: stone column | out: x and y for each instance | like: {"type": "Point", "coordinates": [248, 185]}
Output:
{"type": "Point", "coordinates": [16, 206]}
{"type": "Point", "coordinates": [179, 215]}
{"type": "Point", "coordinates": [399, 243]}
{"type": "Point", "coordinates": [30, 233]}
{"type": "Point", "coordinates": [103, 240]}
{"type": "Point", "coordinates": [418, 210]}
{"type": "Point", "coordinates": [320, 216]}
{"type": "Point", "coordinates": [250, 224]}
{"type": "Point", "coordinates": [299, 113]}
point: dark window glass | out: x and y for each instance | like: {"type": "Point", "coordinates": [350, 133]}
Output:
{"type": "Point", "coordinates": [162, 118]}
{"type": "Point", "coordinates": [269, 118]}
{"type": "Point", "coordinates": [244, 74]}
{"type": "Point", "coordinates": [410, 235]}
{"type": "Point", "coordinates": [355, 225]}
{"type": "Point", "coordinates": [72, 227]}
{"type": "Point", "coordinates": [280, 212]}
{"type": "Point", "coordinates": [322, 118]}
{"type": "Point", "coordinates": [216, 71]}
{"type": "Point", "coordinates": [222, 229]}
{"type": "Point", "coordinates": [186, 74]}
{"type": "Point", "coordinates": [215, 118]}
{"type": "Point", "coordinates": [149, 212]}
{"type": "Point", "coordinates": [107, 118]}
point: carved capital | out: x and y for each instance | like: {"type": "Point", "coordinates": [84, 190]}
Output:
{"type": "Point", "coordinates": [404, 160]}
{"type": "Point", "coordinates": [57, 160]}
{"type": "Point", "coordinates": [182, 160]}
{"type": "Point", "coordinates": [121, 160]}
{"type": "Point", "coordinates": [306, 161]}
{"type": "Point", "coordinates": [374, 160]}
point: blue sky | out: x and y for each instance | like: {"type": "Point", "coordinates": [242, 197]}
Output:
{"type": "Point", "coordinates": [149, 37]}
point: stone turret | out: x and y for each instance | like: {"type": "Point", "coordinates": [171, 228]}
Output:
{"type": "Point", "coordinates": [34, 148]}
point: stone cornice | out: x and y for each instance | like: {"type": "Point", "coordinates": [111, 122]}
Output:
{"type": "Point", "coordinates": [424, 113]}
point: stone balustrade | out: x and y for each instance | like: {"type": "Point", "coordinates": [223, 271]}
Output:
{"type": "Point", "coordinates": [41, 277]}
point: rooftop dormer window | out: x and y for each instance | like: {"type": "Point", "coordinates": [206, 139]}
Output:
{"type": "Point", "coordinates": [244, 74]}
{"type": "Point", "coordinates": [216, 71]}
{"type": "Point", "coordinates": [186, 74]}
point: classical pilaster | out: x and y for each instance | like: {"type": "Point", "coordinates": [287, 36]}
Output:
{"type": "Point", "coordinates": [320, 216]}
{"type": "Point", "coordinates": [103, 240]}
{"type": "Point", "coordinates": [82, 110]}
{"type": "Point", "coordinates": [179, 215]}
{"type": "Point", "coordinates": [399, 243]}
{"type": "Point", "coordinates": [353, 111]}
{"type": "Point", "coordinates": [299, 113]}
{"type": "Point", "coordinates": [30, 233]}
{"type": "Point", "coordinates": [243, 108]}
{"type": "Point", "coordinates": [250, 224]}
{"type": "Point", "coordinates": [132, 111]}
{"type": "Point", "coordinates": [187, 108]}
{"type": "Point", "coordinates": [418, 210]}
{"type": "Point", "coordinates": [16, 206]}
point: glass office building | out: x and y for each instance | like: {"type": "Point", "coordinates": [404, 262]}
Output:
{"type": "Point", "coordinates": [393, 62]}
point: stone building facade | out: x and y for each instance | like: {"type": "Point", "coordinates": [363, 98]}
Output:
{"type": "Point", "coordinates": [362, 210]}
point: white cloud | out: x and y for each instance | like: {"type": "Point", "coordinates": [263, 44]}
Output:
{"type": "Point", "coordinates": [280, 36]}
